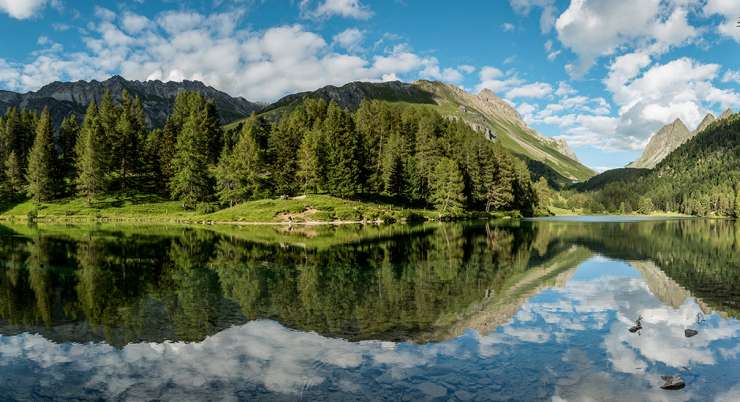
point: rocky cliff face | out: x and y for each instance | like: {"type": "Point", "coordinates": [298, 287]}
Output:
{"type": "Point", "coordinates": [662, 143]}
{"type": "Point", "coordinates": [670, 137]}
{"type": "Point", "coordinates": [63, 98]}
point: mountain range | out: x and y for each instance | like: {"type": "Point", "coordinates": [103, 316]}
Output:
{"type": "Point", "coordinates": [65, 98]}
{"type": "Point", "coordinates": [668, 138]}
{"type": "Point", "coordinates": [485, 112]}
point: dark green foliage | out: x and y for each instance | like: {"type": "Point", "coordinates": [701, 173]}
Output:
{"type": "Point", "coordinates": [90, 156]}
{"type": "Point", "coordinates": [191, 182]}
{"type": "Point", "coordinates": [447, 188]}
{"type": "Point", "coordinates": [381, 150]}
{"type": "Point", "coordinates": [41, 183]}
{"type": "Point", "coordinates": [239, 170]}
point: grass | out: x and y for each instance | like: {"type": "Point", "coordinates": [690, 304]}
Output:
{"type": "Point", "coordinates": [152, 209]}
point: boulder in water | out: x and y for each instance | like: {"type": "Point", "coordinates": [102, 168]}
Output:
{"type": "Point", "coordinates": [672, 382]}
{"type": "Point", "coordinates": [690, 332]}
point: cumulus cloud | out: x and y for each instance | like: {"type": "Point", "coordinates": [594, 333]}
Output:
{"type": "Point", "coordinates": [731, 76]}
{"type": "Point", "coordinates": [342, 8]}
{"type": "Point", "coordinates": [533, 90]}
{"type": "Point", "coordinates": [22, 9]}
{"type": "Point", "coordinates": [729, 10]}
{"type": "Point", "coordinates": [594, 28]}
{"type": "Point", "coordinates": [213, 48]}
{"type": "Point", "coordinates": [507, 27]}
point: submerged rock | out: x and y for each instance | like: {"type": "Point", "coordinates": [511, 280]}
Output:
{"type": "Point", "coordinates": [635, 328]}
{"type": "Point", "coordinates": [672, 382]}
{"type": "Point", "coordinates": [690, 332]}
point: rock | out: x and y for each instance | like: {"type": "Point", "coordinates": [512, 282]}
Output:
{"type": "Point", "coordinates": [690, 332]}
{"type": "Point", "coordinates": [463, 395]}
{"type": "Point", "coordinates": [672, 382]}
{"type": "Point", "coordinates": [635, 328]}
{"type": "Point", "coordinates": [432, 390]}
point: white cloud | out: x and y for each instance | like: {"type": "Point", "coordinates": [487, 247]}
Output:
{"type": "Point", "coordinates": [730, 11]}
{"type": "Point", "coordinates": [342, 8]}
{"type": "Point", "coordinates": [507, 27]}
{"type": "Point", "coordinates": [21, 9]}
{"type": "Point", "coordinates": [212, 48]}
{"type": "Point", "coordinates": [731, 76]}
{"type": "Point", "coordinates": [350, 39]}
{"type": "Point", "coordinates": [533, 90]}
{"type": "Point", "coordinates": [547, 18]}
{"type": "Point", "coordinates": [593, 28]}
{"type": "Point", "coordinates": [466, 68]}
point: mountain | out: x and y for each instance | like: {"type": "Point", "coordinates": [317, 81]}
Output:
{"type": "Point", "coordinates": [670, 137]}
{"type": "Point", "coordinates": [484, 112]}
{"type": "Point", "coordinates": [64, 98]}
{"type": "Point", "coordinates": [662, 143]}
{"type": "Point", "coordinates": [700, 177]}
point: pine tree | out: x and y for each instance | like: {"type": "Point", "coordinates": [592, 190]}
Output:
{"type": "Point", "coordinates": [447, 188]}
{"type": "Point", "coordinates": [125, 139]}
{"type": "Point", "coordinates": [393, 167]}
{"type": "Point", "coordinates": [13, 175]}
{"type": "Point", "coordinates": [737, 200]}
{"type": "Point", "coordinates": [343, 146]}
{"type": "Point", "coordinates": [41, 161]}
{"type": "Point", "coordinates": [310, 166]}
{"type": "Point", "coordinates": [237, 173]}
{"type": "Point", "coordinates": [65, 167]}
{"type": "Point", "coordinates": [90, 152]}
{"type": "Point", "coordinates": [190, 182]}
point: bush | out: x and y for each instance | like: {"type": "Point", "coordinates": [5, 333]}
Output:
{"type": "Point", "coordinates": [205, 208]}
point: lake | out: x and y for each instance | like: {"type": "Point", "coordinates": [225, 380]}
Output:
{"type": "Point", "coordinates": [523, 310]}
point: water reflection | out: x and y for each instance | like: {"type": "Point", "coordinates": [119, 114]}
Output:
{"type": "Point", "coordinates": [516, 310]}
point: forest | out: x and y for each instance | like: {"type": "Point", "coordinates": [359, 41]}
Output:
{"type": "Point", "coordinates": [701, 177]}
{"type": "Point", "coordinates": [403, 154]}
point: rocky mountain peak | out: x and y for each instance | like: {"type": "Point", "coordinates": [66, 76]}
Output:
{"type": "Point", "coordinates": [662, 143]}
{"type": "Point", "coordinates": [727, 113]}
{"type": "Point", "coordinates": [705, 122]}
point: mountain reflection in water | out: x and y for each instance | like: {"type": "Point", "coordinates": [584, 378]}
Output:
{"type": "Point", "coordinates": [522, 310]}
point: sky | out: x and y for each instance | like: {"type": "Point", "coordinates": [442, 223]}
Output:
{"type": "Point", "coordinates": [601, 74]}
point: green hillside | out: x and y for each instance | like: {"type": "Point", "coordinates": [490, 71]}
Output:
{"type": "Point", "coordinates": [486, 113]}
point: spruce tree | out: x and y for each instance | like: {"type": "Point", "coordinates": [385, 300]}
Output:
{"type": "Point", "coordinates": [90, 180]}
{"type": "Point", "coordinates": [310, 156]}
{"type": "Point", "coordinates": [65, 167]}
{"type": "Point", "coordinates": [393, 167]}
{"type": "Point", "coordinates": [737, 201]}
{"type": "Point", "coordinates": [343, 146]}
{"type": "Point", "coordinates": [190, 181]}
{"type": "Point", "coordinates": [41, 161]}
{"type": "Point", "coordinates": [237, 173]}
{"type": "Point", "coordinates": [447, 188]}
{"type": "Point", "coordinates": [13, 175]}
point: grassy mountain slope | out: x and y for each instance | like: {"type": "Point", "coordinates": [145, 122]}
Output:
{"type": "Point", "coordinates": [485, 112]}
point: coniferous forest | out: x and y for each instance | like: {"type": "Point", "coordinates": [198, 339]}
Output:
{"type": "Point", "coordinates": [406, 155]}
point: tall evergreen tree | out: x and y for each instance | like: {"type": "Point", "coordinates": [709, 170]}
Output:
{"type": "Point", "coordinates": [310, 162]}
{"type": "Point", "coordinates": [13, 175]}
{"type": "Point", "coordinates": [447, 188]}
{"type": "Point", "coordinates": [191, 182]}
{"type": "Point", "coordinates": [90, 153]}
{"type": "Point", "coordinates": [393, 167]}
{"type": "Point", "coordinates": [65, 167]}
{"type": "Point", "coordinates": [343, 149]}
{"type": "Point", "coordinates": [41, 161]}
{"type": "Point", "coordinates": [238, 171]}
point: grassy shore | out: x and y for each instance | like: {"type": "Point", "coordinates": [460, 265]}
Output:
{"type": "Point", "coordinates": [313, 209]}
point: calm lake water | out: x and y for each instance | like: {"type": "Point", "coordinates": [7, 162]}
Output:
{"type": "Point", "coordinates": [515, 310]}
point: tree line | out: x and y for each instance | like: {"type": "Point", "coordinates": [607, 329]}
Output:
{"type": "Point", "coordinates": [409, 155]}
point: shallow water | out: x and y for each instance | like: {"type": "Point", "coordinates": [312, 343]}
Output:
{"type": "Point", "coordinates": [514, 310]}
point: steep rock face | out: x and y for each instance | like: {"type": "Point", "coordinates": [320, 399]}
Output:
{"type": "Point", "coordinates": [705, 122]}
{"type": "Point", "coordinates": [662, 143]}
{"type": "Point", "coordinates": [63, 98]}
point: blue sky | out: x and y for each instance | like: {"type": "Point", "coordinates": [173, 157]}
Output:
{"type": "Point", "coordinates": [601, 74]}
